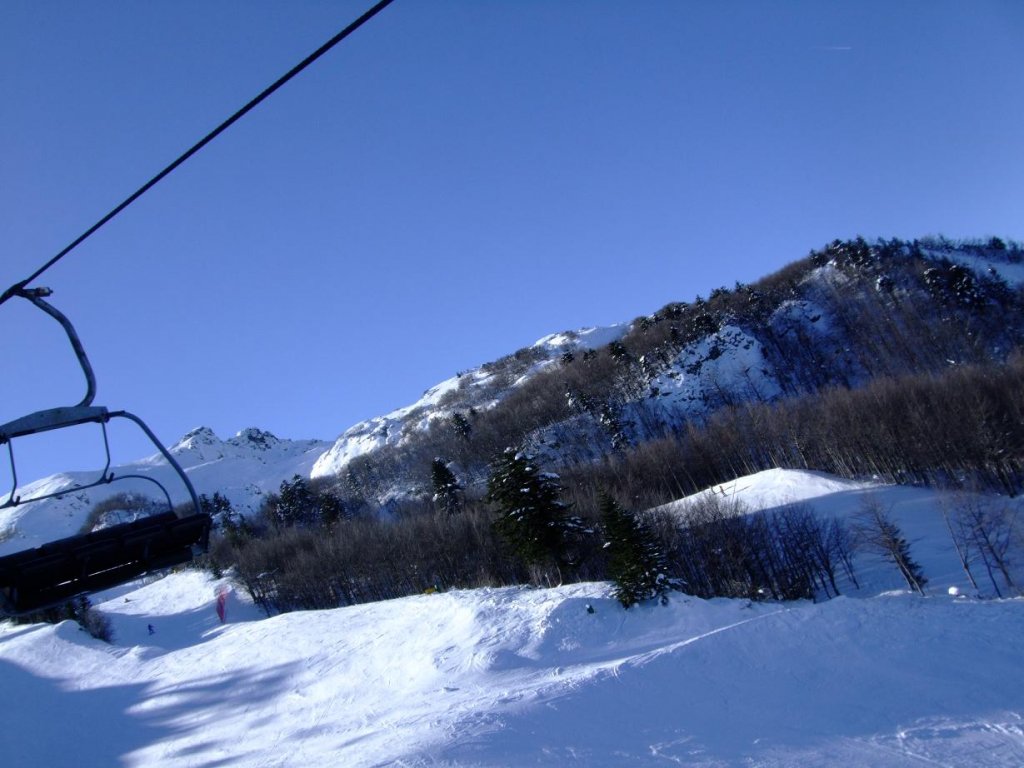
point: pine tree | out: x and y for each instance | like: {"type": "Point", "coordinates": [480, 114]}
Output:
{"type": "Point", "coordinates": [294, 504]}
{"type": "Point", "coordinates": [533, 521]}
{"type": "Point", "coordinates": [461, 425]}
{"type": "Point", "coordinates": [447, 490]}
{"type": "Point", "coordinates": [635, 562]}
{"type": "Point", "coordinates": [232, 525]}
{"type": "Point", "coordinates": [330, 508]}
{"type": "Point", "coordinates": [219, 508]}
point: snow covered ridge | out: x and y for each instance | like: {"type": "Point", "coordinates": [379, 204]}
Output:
{"type": "Point", "coordinates": [755, 343]}
{"type": "Point", "coordinates": [477, 389]}
{"type": "Point", "coordinates": [243, 468]}
{"type": "Point", "coordinates": [542, 677]}
{"type": "Point", "coordinates": [841, 316]}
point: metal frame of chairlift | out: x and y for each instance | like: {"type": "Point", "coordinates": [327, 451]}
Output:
{"type": "Point", "coordinates": [50, 574]}
{"type": "Point", "coordinates": [60, 570]}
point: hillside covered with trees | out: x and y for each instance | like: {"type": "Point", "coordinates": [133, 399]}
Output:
{"type": "Point", "coordinates": [897, 361]}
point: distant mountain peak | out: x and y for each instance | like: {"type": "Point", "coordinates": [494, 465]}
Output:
{"type": "Point", "coordinates": [256, 438]}
{"type": "Point", "coordinates": [194, 438]}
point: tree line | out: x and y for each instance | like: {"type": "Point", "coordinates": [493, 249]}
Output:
{"type": "Point", "coordinates": [522, 531]}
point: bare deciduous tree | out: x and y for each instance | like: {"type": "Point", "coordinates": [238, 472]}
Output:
{"type": "Point", "coordinates": [876, 532]}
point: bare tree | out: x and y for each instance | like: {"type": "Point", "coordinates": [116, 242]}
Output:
{"type": "Point", "coordinates": [960, 534]}
{"type": "Point", "coordinates": [984, 530]}
{"type": "Point", "coordinates": [877, 532]}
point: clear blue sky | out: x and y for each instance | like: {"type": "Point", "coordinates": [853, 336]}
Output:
{"type": "Point", "coordinates": [456, 180]}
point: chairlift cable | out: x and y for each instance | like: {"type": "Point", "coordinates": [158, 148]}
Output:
{"type": "Point", "coordinates": [17, 287]}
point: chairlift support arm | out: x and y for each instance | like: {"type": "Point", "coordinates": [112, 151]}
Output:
{"type": "Point", "coordinates": [57, 571]}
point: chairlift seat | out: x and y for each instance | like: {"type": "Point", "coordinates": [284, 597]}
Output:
{"type": "Point", "coordinates": [60, 570]}
{"type": "Point", "coordinates": [56, 572]}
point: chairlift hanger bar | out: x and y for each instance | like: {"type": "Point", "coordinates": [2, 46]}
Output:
{"type": "Point", "coordinates": [20, 286]}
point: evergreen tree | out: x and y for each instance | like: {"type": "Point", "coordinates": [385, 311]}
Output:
{"type": "Point", "coordinates": [635, 562]}
{"type": "Point", "coordinates": [219, 508]}
{"type": "Point", "coordinates": [356, 498]}
{"type": "Point", "coordinates": [294, 504]}
{"type": "Point", "coordinates": [447, 490]}
{"type": "Point", "coordinates": [461, 425]}
{"type": "Point", "coordinates": [330, 508]}
{"type": "Point", "coordinates": [233, 526]}
{"type": "Point", "coordinates": [533, 521]}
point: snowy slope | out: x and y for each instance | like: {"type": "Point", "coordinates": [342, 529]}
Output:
{"type": "Point", "coordinates": [917, 511]}
{"type": "Point", "coordinates": [243, 468]}
{"type": "Point", "coordinates": [479, 388]}
{"type": "Point", "coordinates": [515, 677]}
{"type": "Point", "coordinates": [729, 363]}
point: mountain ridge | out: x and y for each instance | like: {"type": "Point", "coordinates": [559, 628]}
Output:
{"type": "Point", "coordinates": [839, 316]}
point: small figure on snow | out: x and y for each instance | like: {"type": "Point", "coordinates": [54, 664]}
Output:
{"type": "Point", "coordinates": [222, 602]}
{"type": "Point", "coordinates": [152, 631]}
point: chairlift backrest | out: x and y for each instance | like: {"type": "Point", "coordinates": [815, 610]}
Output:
{"type": "Point", "coordinates": [38, 578]}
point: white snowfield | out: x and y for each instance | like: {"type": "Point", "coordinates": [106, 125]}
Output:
{"type": "Point", "coordinates": [530, 677]}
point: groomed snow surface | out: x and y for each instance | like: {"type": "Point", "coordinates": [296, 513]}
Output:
{"type": "Point", "coordinates": [530, 677]}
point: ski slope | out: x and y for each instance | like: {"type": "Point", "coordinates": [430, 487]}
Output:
{"type": "Point", "coordinates": [517, 676]}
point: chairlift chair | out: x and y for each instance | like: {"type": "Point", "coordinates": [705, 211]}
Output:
{"type": "Point", "coordinates": [60, 570]}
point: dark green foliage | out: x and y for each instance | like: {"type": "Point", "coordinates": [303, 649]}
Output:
{"type": "Point", "coordinates": [219, 508]}
{"type": "Point", "coordinates": [301, 503]}
{"type": "Point", "coordinates": [294, 503]}
{"type": "Point", "coordinates": [447, 490]}
{"type": "Point", "coordinates": [461, 425]}
{"type": "Point", "coordinates": [867, 350]}
{"type": "Point", "coordinates": [853, 313]}
{"type": "Point", "coordinates": [330, 508]}
{"type": "Point", "coordinates": [232, 527]}
{"type": "Point", "coordinates": [606, 413]}
{"type": "Point", "coordinates": [533, 521]}
{"type": "Point", "coordinates": [635, 562]}
{"type": "Point", "coordinates": [619, 352]}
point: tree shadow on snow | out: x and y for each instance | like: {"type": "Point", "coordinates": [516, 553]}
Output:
{"type": "Point", "coordinates": [51, 722]}
{"type": "Point", "coordinates": [44, 723]}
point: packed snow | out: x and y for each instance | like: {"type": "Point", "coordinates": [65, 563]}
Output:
{"type": "Point", "coordinates": [520, 676]}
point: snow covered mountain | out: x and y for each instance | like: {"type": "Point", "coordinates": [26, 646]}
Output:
{"type": "Point", "coordinates": [548, 677]}
{"type": "Point", "coordinates": [844, 315]}
{"type": "Point", "coordinates": [479, 389]}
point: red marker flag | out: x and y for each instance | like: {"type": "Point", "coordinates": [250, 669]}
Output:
{"type": "Point", "coordinates": [222, 602]}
